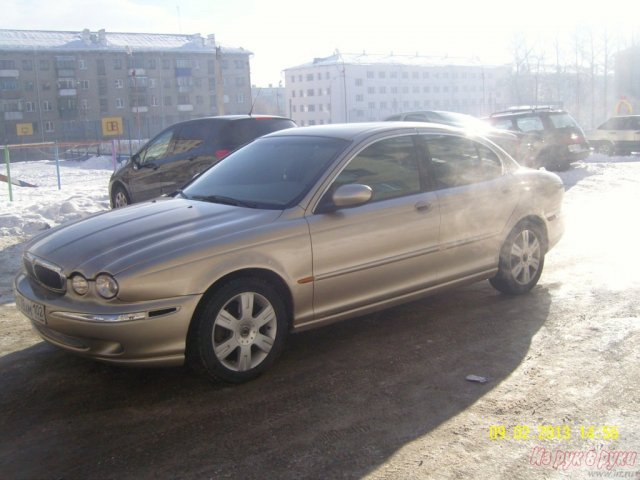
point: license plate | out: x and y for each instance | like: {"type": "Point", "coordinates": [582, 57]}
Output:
{"type": "Point", "coordinates": [33, 310]}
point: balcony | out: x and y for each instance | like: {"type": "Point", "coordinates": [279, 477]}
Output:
{"type": "Point", "coordinates": [185, 108]}
{"type": "Point", "coordinates": [68, 114]}
{"type": "Point", "coordinates": [67, 92]}
{"type": "Point", "coordinates": [9, 73]}
{"type": "Point", "coordinates": [183, 72]}
{"type": "Point", "coordinates": [66, 73]}
{"type": "Point", "coordinates": [139, 109]}
{"type": "Point", "coordinates": [137, 72]}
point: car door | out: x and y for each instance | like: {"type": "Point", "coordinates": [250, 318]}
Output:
{"type": "Point", "coordinates": [146, 179]}
{"type": "Point", "coordinates": [384, 248]}
{"type": "Point", "coordinates": [192, 153]}
{"type": "Point", "coordinates": [476, 198]}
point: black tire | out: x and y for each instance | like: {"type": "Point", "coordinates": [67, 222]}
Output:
{"type": "Point", "coordinates": [236, 345]}
{"type": "Point", "coordinates": [606, 148]}
{"type": "Point", "coordinates": [521, 260]}
{"type": "Point", "coordinates": [119, 197]}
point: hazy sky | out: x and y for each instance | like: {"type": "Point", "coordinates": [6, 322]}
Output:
{"type": "Point", "coordinates": [286, 33]}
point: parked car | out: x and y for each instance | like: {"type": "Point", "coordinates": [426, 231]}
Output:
{"type": "Point", "coordinates": [183, 150]}
{"type": "Point", "coordinates": [551, 138]}
{"type": "Point", "coordinates": [509, 141]}
{"type": "Point", "coordinates": [617, 136]}
{"type": "Point", "coordinates": [297, 229]}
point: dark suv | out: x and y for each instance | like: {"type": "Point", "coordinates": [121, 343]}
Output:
{"type": "Point", "coordinates": [550, 137]}
{"type": "Point", "coordinates": [183, 150]}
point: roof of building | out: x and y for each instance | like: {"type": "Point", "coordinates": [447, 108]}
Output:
{"type": "Point", "coordinates": [85, 40]}
{"type": "Point", "coordinates": [390, 59]}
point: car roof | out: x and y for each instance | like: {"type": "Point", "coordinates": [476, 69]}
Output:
{"type": "Point", "coordinates": [350, 131]}
{"type": "Point", "coordinates": [526, 111]}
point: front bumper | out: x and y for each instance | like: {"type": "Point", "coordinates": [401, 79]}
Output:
{"type": "Point", "coordinates": [157, 338]}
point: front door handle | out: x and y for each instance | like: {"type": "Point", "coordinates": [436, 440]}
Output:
{"type": "Point", "coordinates": [423, 206]}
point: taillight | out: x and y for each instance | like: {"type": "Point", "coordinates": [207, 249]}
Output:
{"type": "Point", "coordinates": [220, 154]}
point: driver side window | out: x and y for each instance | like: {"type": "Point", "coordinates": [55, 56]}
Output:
{"type": "Point", "coordinates": [159, 148]}
{"type": "Point", "coordinates": [389, 167]}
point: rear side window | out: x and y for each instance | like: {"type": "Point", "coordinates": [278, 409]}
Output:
{"type": "Point", "coordinates": [502, 123]}
{"type": "Point", "coordinates": [457, 161]}
{"type": "Point", "coordinates": [562, 120]}
{"type": "Point", "coordinates": [240, 132]}
{"type": "Point", "coordinates": [191, 136]}
{"type": "Point", "coordinates": [530, 124]}
{"type": "Point", "coordinates": [416, 117]}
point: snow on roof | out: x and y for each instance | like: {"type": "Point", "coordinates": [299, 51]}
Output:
{"type": "Point", "coordinates": [391, 59]}
{"type": "Point", "coordinates": [109, 41]}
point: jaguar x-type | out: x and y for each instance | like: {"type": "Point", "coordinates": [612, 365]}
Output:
{"type": "Point", "coordinates": [297, 229]}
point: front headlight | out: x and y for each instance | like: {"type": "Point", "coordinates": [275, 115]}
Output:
{"type": "Point", "coordinates": [106, 286]}
{"type": "Point", "coordinates": [79, 284]}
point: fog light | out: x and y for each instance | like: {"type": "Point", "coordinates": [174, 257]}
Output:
{"type": "Point", "coordinates": [106, 286]}
{"type": "Point", "coordinates": [79, 284]}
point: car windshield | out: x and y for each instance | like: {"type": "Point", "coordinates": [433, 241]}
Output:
{"type": "Point", "coordinates": [270, 173]}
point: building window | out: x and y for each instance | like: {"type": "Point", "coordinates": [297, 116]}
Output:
{"type": "Point", "coordinates": [184, 100]}
{"type": "Point", "coordinates": [46, 106]}
{"type": "Point", "coordinates": [240, 98]}
{"type": "Point", "coordinates": [311, 108]}
{"type": "Point", "coordinates": [394, 74]}
{"type": "Point", "coordinates": [199, 100]}
{"type": "Point", "coordinates": [405, 75]}
{"type": "Point", "coordinates": [154, 101]}
{"type": "Point", "coordinates": [27, 64]}
{"type": "Point", "coordinates": [84, 104]}
{"type": "Point", "coordinates": [84, 84]}
{"type": "Point", "coordinates": [152, 83]}
{"type": "Point", "coordinates": [104, 105]}
{"type": "Point", "coordinates": [310, 92]}
{"type": "Point", "coordinates": [370, 75]}
{"type": "Point", "coordinates": [359, 98]}
{"type": "Point", "coordinates": [294, 109]}
{"type": "Point", "coordinates": [372, 105]}
{"type": "Point", "coordinates": [166, 63]}
{"type": "Point", "coordinates": [394, 89]}
{"type": "Point", "coordinates": [239, 81]}
{"type": "Point", "coordinates": [183, 63]}
{"type": "Point", "coordinates": [44, 64]}
{"type": "Point", "coordinates": [119, 103]}
{"type": "Point", "coordinates": [382, 90]}
{"type": "Point", "coordinates": [383, 104]}
{"type": "Point", "coordinates": [225, 99]}
{"type": "Point", "coordinates": [293, 79]}
{"type": "Point", "coordinates": [167, 101]}
{"type": "Point", "coordinates": [358, 82]}
{"type": "Point", "coordinates": [117, 63]}
{"type": "Point", "coordinates": [239, 64]}
{"type": "Point", "coordinates": [382, 74]}
{"type": "Point", "coordinates": [48, 126]}
{"type": "Point", "coordinates": [152, 63]}
{"type": "Point", "coordinates": [371, 90]}
{"type": "Point", "coordinates": [416, 89]}
{"type": "Point", "coordinates": [309, 77]}
{"type": "Point", "coordinates": [425, 89]}
{"type": "Point", "coordinates": [82, 64]}
{"type": "Point", "coordinates": [29, 107]}
{"type": "Point", "coordinates": [119, 83]}
{"type": "Point", "coordinates": [29, 86]}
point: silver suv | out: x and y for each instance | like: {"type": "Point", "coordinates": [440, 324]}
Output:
{"type": "Point", "coordinates": [617, 136]}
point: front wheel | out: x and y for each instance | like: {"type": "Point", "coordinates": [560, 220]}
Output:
{"type": "Point", "coordinates": [120, 197]}
{"type": "Point", "coordinates": [241, 330]}
{"type": "Point", "coordinates": [521, 260]}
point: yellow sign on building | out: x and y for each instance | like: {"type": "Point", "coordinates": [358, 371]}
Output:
{"type": "Point", "coordinates": [24, 129]}
{"type": "Point", "coordinates": [112, 126]}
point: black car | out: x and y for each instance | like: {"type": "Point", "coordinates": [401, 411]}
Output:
{"type": "Point", "coordinates": [551, 138]}
{"type": "Point", "coordinates": [183, 150]}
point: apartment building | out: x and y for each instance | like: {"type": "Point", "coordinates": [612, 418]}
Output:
{"type": "Point", "coordinates": [362, 87]}
{"type": "Point", "coordinates": [63, 85]}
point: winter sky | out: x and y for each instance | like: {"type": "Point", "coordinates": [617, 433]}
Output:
{"type": "Point", "coordinates": [286, 33]}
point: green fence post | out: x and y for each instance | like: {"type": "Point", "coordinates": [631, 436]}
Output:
{"type": "Point", "coordinates": [7, 162]}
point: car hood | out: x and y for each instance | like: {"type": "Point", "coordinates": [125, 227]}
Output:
{"type": "Point", "coordinates": [116, 240]}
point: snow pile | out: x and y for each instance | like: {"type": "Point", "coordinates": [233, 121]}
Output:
{"type": "Point", "coordinates": [84, 190]}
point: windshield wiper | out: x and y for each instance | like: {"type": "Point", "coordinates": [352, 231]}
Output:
{"type": "Point", "coordinates": [223, 200]}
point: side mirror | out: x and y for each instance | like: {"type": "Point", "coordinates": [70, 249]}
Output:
{"type": "Point", "coordinates": [350, 195]}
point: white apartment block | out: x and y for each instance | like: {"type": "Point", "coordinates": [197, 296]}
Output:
{"type": "Point", "coordinates": [360, 87]}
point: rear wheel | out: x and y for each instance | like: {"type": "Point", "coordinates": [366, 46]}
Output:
{"type": "Point", "coordinates": [241, 330]}
{"type": "Point", "coordinates": [606, 148]}
{"type": "Point", "coordinates": [521, 260]}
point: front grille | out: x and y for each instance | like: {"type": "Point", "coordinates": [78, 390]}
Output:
{"type": "Point", "coordinates": [46, 274]}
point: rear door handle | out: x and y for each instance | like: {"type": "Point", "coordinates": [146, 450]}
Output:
{"type": "Point", "coordinates": [423, 206]}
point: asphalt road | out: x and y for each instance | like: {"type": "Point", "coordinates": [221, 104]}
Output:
{"type": "Point", "coordinates": [382, 396]}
